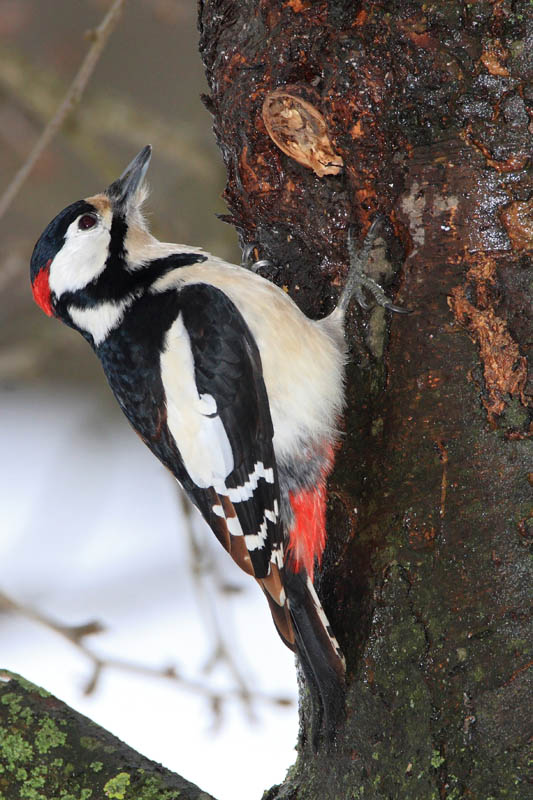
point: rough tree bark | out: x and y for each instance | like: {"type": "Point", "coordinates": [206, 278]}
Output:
{"type": "Point", "coordinates": [429, 108]}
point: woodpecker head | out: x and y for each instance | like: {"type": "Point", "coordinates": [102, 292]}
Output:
{"type": "Point", "coordinates": [85, 257]}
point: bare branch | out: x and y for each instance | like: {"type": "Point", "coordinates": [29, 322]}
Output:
{"type": "Point", "coordinates": [99, 39]}
{"type": "Point", "coordinates": [204, 565]}
{"type": "Point", "coordinates": [101, 115]}
{"type": "Point", "coordinates": [77, 635]}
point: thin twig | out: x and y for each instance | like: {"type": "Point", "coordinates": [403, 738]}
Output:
{"type": "Point", "coordinates": [77, 634]}
{"type": "Point", "coordinates": [103, 115]}
{"type": "Point", "coordinates": [204, 564]}
{"type": "Point", "coordinates": [99, 39]}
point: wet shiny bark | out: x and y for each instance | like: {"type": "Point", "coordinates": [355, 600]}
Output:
{"type": "Point", "coordinates": [429, 106]}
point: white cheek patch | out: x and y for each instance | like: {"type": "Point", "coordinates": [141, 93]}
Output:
{"type": "Point", "coordinates": [191, 418]}
{"type": "Point", "coordinates": [81, 259]}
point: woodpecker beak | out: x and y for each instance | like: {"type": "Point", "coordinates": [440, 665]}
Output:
{"type": "Point", "coordinates": [123, 189]}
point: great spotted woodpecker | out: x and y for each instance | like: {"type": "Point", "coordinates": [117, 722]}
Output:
{"type": "Point", "coordinates": [227, 382]}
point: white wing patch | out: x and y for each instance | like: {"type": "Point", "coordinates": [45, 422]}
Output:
{"type": "Point", "coordinates": [278, 555]}
{"type": "Point", "coordinates": [234, 526]}
{"type": "Point", "coordinates": [192, 419]}
{"type": "Point", "coordinates": [255, 541]}
{"type": "Point", "coordinates": [202, 440]}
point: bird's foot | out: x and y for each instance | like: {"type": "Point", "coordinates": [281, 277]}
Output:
{"type": "Point", "coordinates": [248, 260]}
{"type": "Point", "coordinates": [358, 279]}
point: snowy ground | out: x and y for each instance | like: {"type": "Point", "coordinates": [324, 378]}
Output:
{"type": "Point", "coordinates": [89, 529]}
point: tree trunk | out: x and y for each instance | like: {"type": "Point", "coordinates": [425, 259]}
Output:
{"type": "Point", "coordinates": [427, 112]}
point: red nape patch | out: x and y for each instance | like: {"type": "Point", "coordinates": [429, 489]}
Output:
{"type": "Point", "coordinates": [41, 289]}
{"type": "Point", "coordinates": [307, 537]}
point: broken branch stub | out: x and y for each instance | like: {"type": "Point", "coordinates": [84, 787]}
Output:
{"type": "Point", "coordinates": [299, 130]}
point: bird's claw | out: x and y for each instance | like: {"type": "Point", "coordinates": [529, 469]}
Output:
{"type": "Point", "coordinates": [247, 258]}
{"type": "Point", "coordinates": [358, 261]}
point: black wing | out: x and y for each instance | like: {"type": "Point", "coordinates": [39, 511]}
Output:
{"type": "Point", "coordinates": [242, 507]}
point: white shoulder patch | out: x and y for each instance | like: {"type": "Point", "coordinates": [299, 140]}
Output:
{"type": "Point", "coordinates": [192, 419]}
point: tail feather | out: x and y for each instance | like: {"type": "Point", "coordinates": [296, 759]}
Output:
{"type": "Point", "coordinates": [280, 614]}
{"type": "Point", "coordinates": [304, 627]}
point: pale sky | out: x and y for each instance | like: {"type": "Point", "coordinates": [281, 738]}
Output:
{"type": "Point", "coordinates": [89, 530]}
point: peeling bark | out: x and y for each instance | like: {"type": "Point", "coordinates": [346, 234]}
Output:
{"type": "Point", "coordinates": [430, 107]}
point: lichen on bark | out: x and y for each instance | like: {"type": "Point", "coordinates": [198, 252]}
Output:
{"type": "Point", "coordinates": [50, 752]}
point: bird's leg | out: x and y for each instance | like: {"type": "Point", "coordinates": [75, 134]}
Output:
{"type": "Point", "coordinates": [358, 279]}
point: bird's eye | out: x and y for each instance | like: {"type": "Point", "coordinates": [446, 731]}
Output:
{"type": "Point", "coordinates": [87, 221]}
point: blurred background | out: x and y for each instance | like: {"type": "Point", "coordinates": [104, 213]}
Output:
{"type": "Point", "coordinates": [112, 594]}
